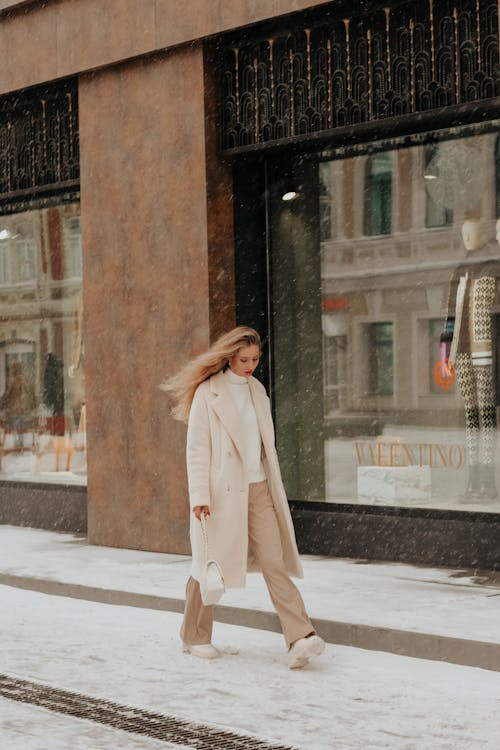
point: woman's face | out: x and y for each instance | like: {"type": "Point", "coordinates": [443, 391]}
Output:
{"type": "Point", "coordinates": [245, 360]}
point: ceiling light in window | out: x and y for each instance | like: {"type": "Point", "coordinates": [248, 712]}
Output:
{"type": "Point", "coordinates": [291, 195]}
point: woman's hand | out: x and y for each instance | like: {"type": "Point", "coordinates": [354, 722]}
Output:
{"type": "Point", "coordinates": [199, 509]}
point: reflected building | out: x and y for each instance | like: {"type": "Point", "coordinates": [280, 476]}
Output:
{"type": "Point", "coordinates": [387, 261]}
{"type": "Point", "coordinates": [40, 329]}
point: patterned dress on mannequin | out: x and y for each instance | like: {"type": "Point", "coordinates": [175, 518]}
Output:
{"type": "Point", "coordinates": [473, 358]}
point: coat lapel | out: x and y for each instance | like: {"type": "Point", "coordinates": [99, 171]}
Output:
{"type": "Point", "coordinates": [223, 405]}
{"type": "Point", "coordinates": [261, 404]}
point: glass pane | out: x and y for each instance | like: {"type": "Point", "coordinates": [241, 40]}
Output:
{"type": "Point", "coordinates": [385, 322]}
{"type": "Point", "coordinates": [437, 212]}
{"type": "Point", "coordinates": [42, 390]}
{"type": "Point", "coordinates": [378, 194]}
{"type": "Point", "coordinates": [379, 345]}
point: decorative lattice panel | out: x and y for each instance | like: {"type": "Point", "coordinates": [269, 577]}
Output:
{"type": "Point", "coordinates": [39, 140]}
{"type": "Point", "coordinates": [398, 59]}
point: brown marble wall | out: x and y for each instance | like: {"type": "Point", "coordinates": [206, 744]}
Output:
{"type": "Point", "coordinates": [44, 41]}
{"type": "Point", "coordinates": [144, 234]}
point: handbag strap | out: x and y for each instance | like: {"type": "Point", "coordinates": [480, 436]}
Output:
{"type": "Point", "coordinates": [204, 534]}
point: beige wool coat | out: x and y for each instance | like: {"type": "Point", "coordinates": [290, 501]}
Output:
{"type": "Point", "coordinates": [216, 477]}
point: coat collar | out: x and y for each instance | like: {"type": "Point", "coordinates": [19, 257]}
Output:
{"type": "Point", "coordinates": [223, 406]}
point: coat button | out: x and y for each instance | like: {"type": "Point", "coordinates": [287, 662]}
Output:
{"type": "Point", "coordinates": [229, 454]}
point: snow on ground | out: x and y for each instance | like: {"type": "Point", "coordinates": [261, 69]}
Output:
{"type": "Point", "coordinates": [406, 597]}
{"type": "Point", "coordinates": [347, 700]}
{"type": "Point", "coordinates": [24, 727]}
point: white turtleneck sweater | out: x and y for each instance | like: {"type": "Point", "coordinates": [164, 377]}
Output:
{"type": "Point", "coordinates": [250, 434]}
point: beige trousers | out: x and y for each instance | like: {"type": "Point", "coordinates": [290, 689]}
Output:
{"type": "Point", "coordinates": [265, 543]}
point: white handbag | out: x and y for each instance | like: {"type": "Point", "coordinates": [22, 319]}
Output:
{"type": "Point", "coordinates": [212, 582]}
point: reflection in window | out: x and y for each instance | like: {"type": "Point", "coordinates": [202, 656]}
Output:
{"type": "Point", "coordinates": [381, 359]}
{"type": "Point", "coordinates": [25, 254]}
{"type": "Point", "coordinates": [4, 262]}
{"type": "Point", "coordinates": [325, 204]}
{"type": "Point", "coordinates": [74, 247]}
{"type": "Point", "coordinates": [18, 263]}
{"type": "Point", "coordinates": [378, 194]}
{"type": "Point", "coordinates": [334, 352]}
{"type": "Point", "coordinates": [436, 214]}
{"type": "Point", "coordinates": [42, 388]}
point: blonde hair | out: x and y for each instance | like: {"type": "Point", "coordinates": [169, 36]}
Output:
{"type": "Point", "coordinates": [182, 386]}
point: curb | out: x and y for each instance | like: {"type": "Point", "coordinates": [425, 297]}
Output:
{"type": "Point", "coordinates": [469, 653]}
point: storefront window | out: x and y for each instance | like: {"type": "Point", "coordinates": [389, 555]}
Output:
{"type": "Point", "coordinates": [385, 279]}
{"type": "Point", "coordinates": [42, 396]}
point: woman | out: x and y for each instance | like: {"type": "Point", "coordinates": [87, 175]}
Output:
{"type": "Point", "coordinates": [234, 480]}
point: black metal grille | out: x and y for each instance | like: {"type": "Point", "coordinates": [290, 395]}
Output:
{"type": "Point", "coordinates": [398, 59]}
{"type": "Point", "coordinates": [39, 141]}
{"type": "Point", "coordinates": [138, 721]}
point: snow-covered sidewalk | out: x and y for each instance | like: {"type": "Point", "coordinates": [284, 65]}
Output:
{"type": "Point", "coordinates": [30, 728]}
{"type": "Point", "coordinates": [348, 699]}
{"type": "Point", "coordinates": [403, 597]}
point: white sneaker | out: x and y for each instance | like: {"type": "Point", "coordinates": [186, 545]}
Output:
{"type": "Point", "coordinates": [201, 650]}
{"type": "Point", "coordinates": [303, 650]}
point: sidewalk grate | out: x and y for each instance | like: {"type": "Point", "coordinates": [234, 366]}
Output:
{"type": "Point", "coordinates": [195, 735]}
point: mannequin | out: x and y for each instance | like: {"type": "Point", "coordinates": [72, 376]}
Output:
{"type": "Point", "coordinates": [468, 333]}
